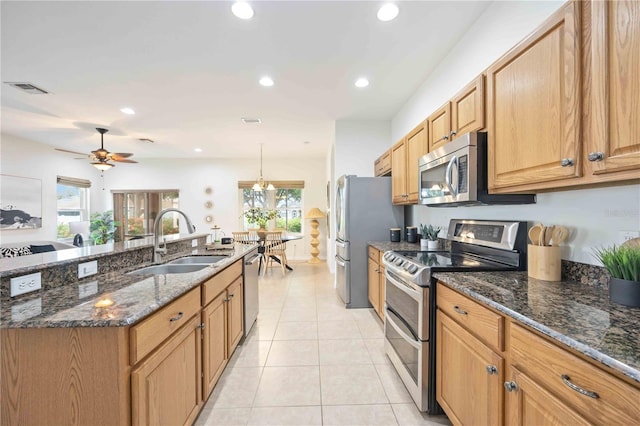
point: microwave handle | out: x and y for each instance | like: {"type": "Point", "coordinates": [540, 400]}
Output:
{"type": "Point", "coordinates": [448, 177]}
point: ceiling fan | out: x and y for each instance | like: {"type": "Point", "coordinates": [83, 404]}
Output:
{"type": "Point", "coordinates": [101, 157]}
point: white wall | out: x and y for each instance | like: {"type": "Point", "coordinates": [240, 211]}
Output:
{"type": "Point", "coordinates": [192, 176]}
{"type": "Point", "coordinates": [357, 145]}
{"type": "Point", "coordinates": [594, 215]}
{"type": "Point", "coordinates": [21, 157]}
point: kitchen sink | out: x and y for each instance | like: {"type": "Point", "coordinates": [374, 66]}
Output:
{"type": "Point", "coordinates": [209, 259]}
{"type": "Point", "coordinates": [169, 269]}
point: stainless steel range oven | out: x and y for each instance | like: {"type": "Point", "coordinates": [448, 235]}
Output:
{"type": "Point", "coordinates": [410, 304]}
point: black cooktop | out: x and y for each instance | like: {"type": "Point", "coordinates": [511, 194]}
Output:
{"type": "Point", "coordinates": [447, 261]}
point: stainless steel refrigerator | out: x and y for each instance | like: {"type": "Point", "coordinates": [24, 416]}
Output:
{"type": "Point", "coordinates": [363, 213]}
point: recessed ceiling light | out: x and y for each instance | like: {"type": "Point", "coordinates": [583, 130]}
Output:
{"type": "Point", "coordinates": [197, 149]}
{"type": "Point", "coordinates": [306, 142]}
{"type": "Point", "coordinates": [242, 10]}
{"type": "Point", "coordinates": [266, 81]}
{"type": "Point", "coordinates": [127, 110]}
{"type": "Point", "coordinates": [362, 82]}
{"type": "Point", "coordinates": [388, 12]}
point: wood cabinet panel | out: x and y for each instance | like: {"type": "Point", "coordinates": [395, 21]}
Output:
{"type": "Point", "coordinates": [399, 171]}
{"type": "Point", "coordinates": [214, 343]}
{"type": "Point", "coordinates": [531, 405]}
{"type": "Point", "coordinates": [217, 284]}
{"type": "Point", "coordinates": [166, 388]}
{"type": "Point", "coordinates": [152, 331]}
{"type": "Point", "coordinates": [439, 127]}
{"type": "Point", "coordinates": [546, 363]}
{"type": "Point", "coordinates": [484, 323]}
{"type": "Point", "coordinates": [534, 106]}
{"type": "Point", "coordinates": [465, 389]}
{"type": "Point", "coordinates": [416, 148]}
{"type": "Point", "coordinates": [382, 165]}
{"type": "Point", "coordinates": [467, 109]}
{"type": "Point", "coordinates": [615, 31]}
{"type": "Point", "coordinates": [235, 315]}
{"type": "Point", "coordinates": [373, 276]}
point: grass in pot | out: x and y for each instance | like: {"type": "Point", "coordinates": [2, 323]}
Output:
{"type": "Point", "coordinates": [623, 264]}
{"type": "Point", "coordinates": [429, 237]}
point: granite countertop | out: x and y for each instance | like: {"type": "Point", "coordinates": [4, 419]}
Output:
{"type": "Point", "coordinates": [12, 265]}
{"type": "Point", "coordinates": [579, 316]}
{"type": "Point", "coordinates": [388, 245]}
{"type": "Point", "coordinates": [134, 297]}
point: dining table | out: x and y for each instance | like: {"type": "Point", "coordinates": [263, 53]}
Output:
{"type": "Point", "coordinates": [285, 238]}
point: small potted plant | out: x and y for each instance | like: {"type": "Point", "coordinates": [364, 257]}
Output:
{"type": "Point", "coordinates": [429, 239]}
{"type": "Point", "coordinates": [260, 216]}
{"type": "Point", "coordinates": [102, 227]}
{"type": "Point", "coordinates": [623, 264]}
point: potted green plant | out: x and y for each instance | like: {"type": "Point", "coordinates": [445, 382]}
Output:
{"type": "Point", "coordinates": [429, 237]}
{"type": "Point", "coordinates": [102, 227]}
{"type": "Point", "coordinates": [260, 216]}
{"type": "Point", "coordinates": [623, 264]}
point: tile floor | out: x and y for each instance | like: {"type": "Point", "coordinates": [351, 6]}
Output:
{"type": "Point", "coordinates": [310, 361]}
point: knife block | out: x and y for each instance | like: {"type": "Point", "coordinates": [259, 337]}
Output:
{"type": "Point", "coordinates": [544, 262]}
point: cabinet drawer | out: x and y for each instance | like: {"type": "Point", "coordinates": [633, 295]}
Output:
{"type": "Point", "coordinates": [147, 335]}
{"type": "Point", "coordinates": [216, 285]}
{"type": "Point", "coordinates": [485, 324]}
{"type": "Point", "coordinates": [374, 254]}
{"type": "Point", "coordinates": [616, 402]}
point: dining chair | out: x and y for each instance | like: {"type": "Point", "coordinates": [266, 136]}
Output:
{"type": "Point", "coordinates": [241, 237]}
{"type": "Point", "coordinates": [275, 247]}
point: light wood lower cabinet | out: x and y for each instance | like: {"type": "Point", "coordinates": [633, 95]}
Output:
{"type": "Point", "coordinates": [469, 377]}
{"type": "Point", "coordinates": [165, 388]}
{"type": "Point", "coordinates": [214, 342]}
{"type": "Point", "coordinates": [376, 281]}
{"type": "Point", "coordinates": [234, 315]}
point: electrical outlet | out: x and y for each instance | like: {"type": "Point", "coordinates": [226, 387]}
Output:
{"type": "Point", "coordinates": [194, 243]}
{"type": "Point", "coordinates": [26, 310]}
{"type": "Point", "coordinates": [88, 289]}
{"type": "Point", "coordinates": [87, 268]}
{"type": "Point", "coordinates": [628, 235]}
{"type": "Point", "coordinates": [26, 284]}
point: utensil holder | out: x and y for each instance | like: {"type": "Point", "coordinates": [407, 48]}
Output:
{"type": "Point", "coordinates": [544, 262]}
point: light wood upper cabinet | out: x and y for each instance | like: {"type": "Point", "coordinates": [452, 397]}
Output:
{"type": "Point", "coordinates": [404, 159]}
{"type": "Point", "coordinates": [399, 171]}
{"type": "Point", "coordinates": [614, 145]}
{"type": "Point", "coordinates": [439, 125]}
{"type": "Point", "coordinates": [464, 113]}
{"type": "Point", "coordinates": [534, 108]}
{"type": "Point", "coordinates": [382, 165]}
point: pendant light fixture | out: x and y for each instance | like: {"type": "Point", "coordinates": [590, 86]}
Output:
{"type": "Point", "coordinates": [259, 186]}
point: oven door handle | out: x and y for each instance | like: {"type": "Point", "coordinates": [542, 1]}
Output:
{"type": "Point", "coordinates": [412, 340]}
{"type": "Point", "coordinates": [415, 295]}
{"type": "Point", "coordinates": [448, 176]}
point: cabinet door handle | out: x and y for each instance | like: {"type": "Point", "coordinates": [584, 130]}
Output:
{"type": "Point", "coordinates": [460, 311]}
{"type": "Point", "coordinates": [567, 381]}
{"type": "Point", "coordinates": [445, 137]}
{"type": "Point", "coordinates": [231, 296]}
{"type": "Point", "coordinates": [201, 326]}
{"type": "Point", "coordinates": [177, 317]}
{"type": "Point", "coordinates": [566, 162]}
{"type": "Point", "coordinates": [492, 369]}
{"type": "Point", "coordinates": [596, 156]}
{"type": "Point", "coordinates": [453, 133]}
{"type": "Point", "coordinates": [510, 386]}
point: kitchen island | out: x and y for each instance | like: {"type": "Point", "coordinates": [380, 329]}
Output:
{"type": "Point", "coordinates": [116, 348]}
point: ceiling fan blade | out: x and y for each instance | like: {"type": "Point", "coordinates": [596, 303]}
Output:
{"type": "Point", "coordinates": [71, 152]}
{"type": "Point", "coordinates": [124, 160]}
{"type": "Point", "coordinates": [122, 154]}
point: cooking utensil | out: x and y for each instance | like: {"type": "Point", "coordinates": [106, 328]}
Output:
{"type": "Point", "coordinates": [548, 232]}
{"type": "Point", "coordinates": [560, 233]}
{"type": "Point", "coordinates": [534, 234]}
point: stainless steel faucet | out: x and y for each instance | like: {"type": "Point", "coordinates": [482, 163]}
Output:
{"type": "Point", "coordinates": [157, 250]}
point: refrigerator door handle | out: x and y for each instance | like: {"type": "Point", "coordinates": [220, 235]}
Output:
{"type": "Point", "coordinates": [340, 244]}
{"type": "Point", "coordinates": [340, 262]}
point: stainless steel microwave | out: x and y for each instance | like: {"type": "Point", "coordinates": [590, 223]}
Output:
{"type": "Point", "coordinates": [456, 175]}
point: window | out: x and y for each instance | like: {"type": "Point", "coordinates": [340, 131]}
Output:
{"type": "Point", "coordinates": [72, 204]}
{"type": "Point", "coordinates": [137, 210]}
{"type": "Point", "coordinates": [286, 199]}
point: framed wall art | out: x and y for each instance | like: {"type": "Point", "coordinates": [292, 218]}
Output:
{"type": "Point", "coordinates": [20, 202]}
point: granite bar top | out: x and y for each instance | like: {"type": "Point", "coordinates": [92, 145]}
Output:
{"type": "Point", "coordinates": [15, 265]}
{"type": "Point", "coordinates": [577, 315]}
{"type": "Point", "coordinates": [133, 297]}
{"type": "Point", "coordinates": [387, 245]}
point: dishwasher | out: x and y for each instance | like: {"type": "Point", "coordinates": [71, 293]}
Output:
{"type": "Point", "coordinates": [251, 273]}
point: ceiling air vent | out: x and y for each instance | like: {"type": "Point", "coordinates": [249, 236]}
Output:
{"type": "Point", "coordinates": [146, 140]}
{"type": "Point", "coordinates": [28, 87]}
{"type": "Point", "coordinates": [251, 120]}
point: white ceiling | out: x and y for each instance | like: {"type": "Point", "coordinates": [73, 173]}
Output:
{"type": "Point", "coordinates": [191, 71]}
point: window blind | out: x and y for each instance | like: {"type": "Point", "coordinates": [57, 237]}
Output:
{"type": "Point", "coordinates": [69, 181]}
{"type": "Point", "coordinates": [278, 184]}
